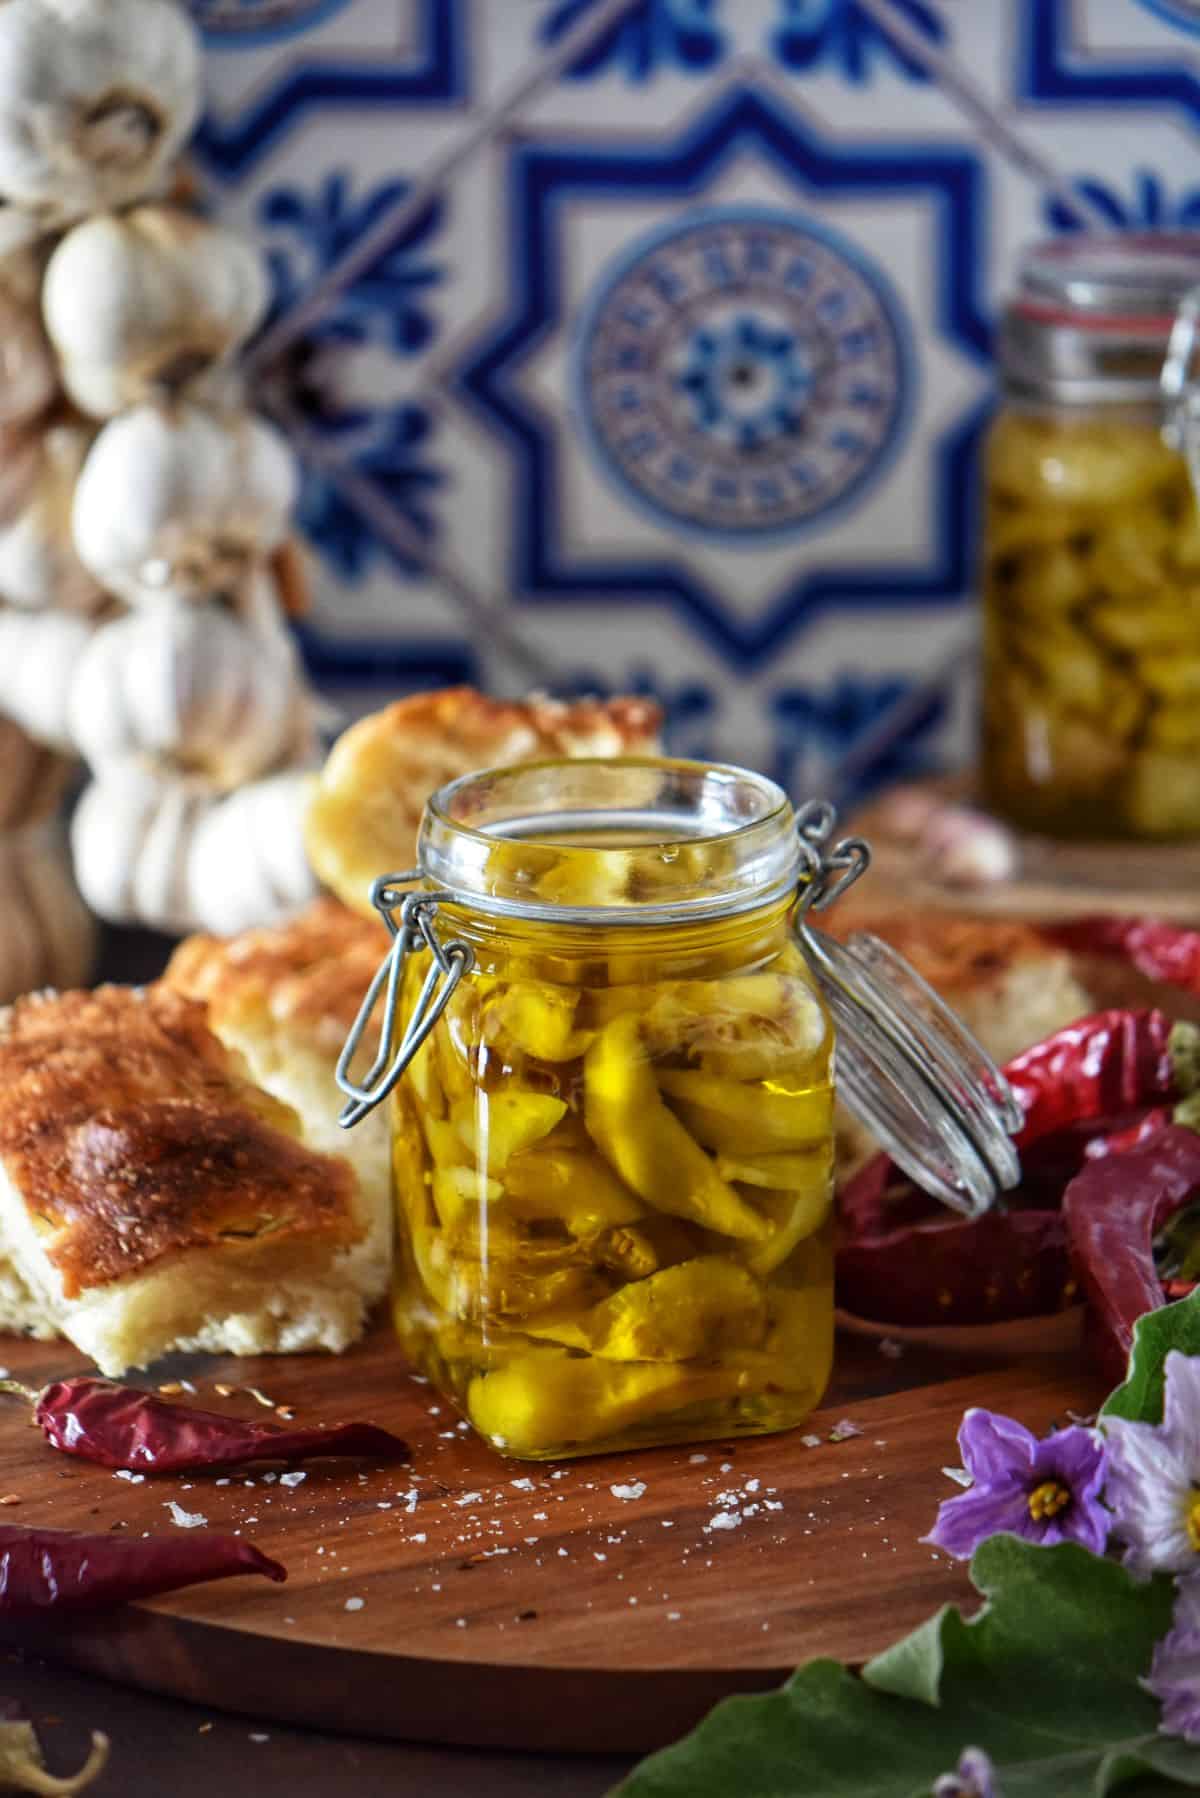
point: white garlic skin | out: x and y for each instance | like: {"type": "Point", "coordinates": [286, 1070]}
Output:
{"type": "Point", "coordinates": [38, 564]}
{"type": "Point", "coordinates": [142, 303]}
{"type": "Point", "coordinates": [181, 502]}
{"type": "Point", "coordinates": [39, 653]}
{"type": "Point", "coordinates": [156, 849]}
{"type": "Point", "coordinates": [194, 685]}
{"type": "Point", "coordinates": [97, 97]}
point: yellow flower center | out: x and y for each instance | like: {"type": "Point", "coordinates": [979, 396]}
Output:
{"type": "Point", "coordinates": [1192, 1519]}
{"type": "Point", "coordinates": [1051, 1497]}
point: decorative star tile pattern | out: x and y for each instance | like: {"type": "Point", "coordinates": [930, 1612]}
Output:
{"type": "Point", "coordinates": [645, 344]}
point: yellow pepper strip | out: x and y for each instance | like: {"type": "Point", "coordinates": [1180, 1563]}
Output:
{"type": "Point", "coordinates": [539, 1406]}
{"type": "Point", "coordinates": [627, 1251]}
{"type": "Point", "coordinates": [457, 1188]}
{"type": "Point", "coordinates": [732, 1116]}
{"type": "Point", "coordinates": [537, 1019]}
{"type": "Point", "coordinates": [577, 1188]}
{"type": "Point", "coordinates": [496, 1126]}
{"type": "Point", "coordinates": [422, 1075]}
{"type": "Point", "coordinates": [686, 1312]}
{"type": "Point", "coordinates": [799, 1168]}
{"type": "Point", "coordinates": [795, 1212]}
{"type": "Point", "coordinates": [445, 1144]}
{"type": "Point", "coordinates": [499, 1287]}
{"type": "Point", "coordinates": [648, 1146]}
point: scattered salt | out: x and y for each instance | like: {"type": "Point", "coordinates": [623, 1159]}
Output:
{"type": "Point", "coordinates": [355, 1604]}
{"type": "Point", "coordinates": [292, 1479]}
{"type": "Point", "coordinates": [844, 1430]}
{"type": "Point", "coordinates": [893, 1350]}
{"type": "Point", "coordinates": [123, 1473]}
{"type": "Point", "coordinates": [186, 1520]}
{"type": "Point", "coordinates": [724, 1520]}
{"type": "Point", "coordinates": [469, 1498]}
{"type": "Point", "coordinates": [258, 1738]}
{"type": "Point", "coordinates": [674, 1616]}
{"type": "Point", "coordinates": [959, 1475]}
{"type": "Point", "coordinates": [811, 1441]}
{"type": "Point", "coordinates": [525, 1485]}
{"type": "Point", "coordinates": [697, 1460]}
{"type": "Point", "coordinates": [597, 1556]}
{"type": "Point", "coordinates": [634, 1489]}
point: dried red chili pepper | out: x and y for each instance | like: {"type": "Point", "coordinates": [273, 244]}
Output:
{"type": "Point", "coordinates": [904, 1259]}
{"type": "Point", "coordinates": [125, 1428]}
{"type": "Point", "coordinates": [66, 1570]}
{"type": "Point", "coordinates": [1160, 951]}
{"type": "Point", "coordinates": [1112, 1211]}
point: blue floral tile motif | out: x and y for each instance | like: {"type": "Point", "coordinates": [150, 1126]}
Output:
{"type": "Point", "coordinates": [433, 74]}
{"type": "Point", "coordinates": [311, 230]}
{"type": "Point", "coordinates": [385, 316]}
{"type": "Point", "coordinates": [1147, 204]}
{"type": "Point", "coordinates": [1053, 66]}
{"type": "Point", "coordinates": [819, 726]}
{"type": "Point", "coordinates": [374, 669]}
{"type": "Point", "coordinates": [743, 373]}
{"type": "Point", "coordinates": [654, 35]}
{"type": "Point", "coordinates": [545, 178]}
{"type": "Point", "coordinates": [1184, 13]}
{"type": "Point", "coordinates": [841, 35]}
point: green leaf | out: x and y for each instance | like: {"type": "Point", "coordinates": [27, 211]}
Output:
{"type": "Point", "coordinates": [1154, 1336]}
{"type": "Point", "coordinates": [1045, 1678]}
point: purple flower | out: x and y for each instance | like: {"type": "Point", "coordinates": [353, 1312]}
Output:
{"type": "Point", "coordinates": [1045, 1491]}
{"type": "Point", "coordinates": [1154, 1477]}
{"type": "Point", "coordinates": [1175, 1670]}
{"type": "Point", "coordinates": [974, 1777]}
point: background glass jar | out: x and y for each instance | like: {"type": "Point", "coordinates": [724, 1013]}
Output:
{"type": "Point", "coordinates": [608, 1045]}
{"type": "Point", "coordinates": [1091, 629]}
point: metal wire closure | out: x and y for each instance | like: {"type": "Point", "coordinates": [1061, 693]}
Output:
{"type": "Point", "coordinates": [412, 935]}
{"type": "Point", "coordinates": [1181, 421]}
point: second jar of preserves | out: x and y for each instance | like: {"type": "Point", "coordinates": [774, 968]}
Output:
{"type": "Point", "coordinates": [1091, 660]}
{"type": "Point", "coordinates": [609, 1055]}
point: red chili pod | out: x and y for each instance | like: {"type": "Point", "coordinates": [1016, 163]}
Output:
{"type": "Point", "coordinates": [125, 1428]}
{"type": "Point", "coordinates": [903, 1259]}
{"type": "Point", "coordinates": [66, 1570]}
{"type": "Point", "coordinates": [1112, 1211]}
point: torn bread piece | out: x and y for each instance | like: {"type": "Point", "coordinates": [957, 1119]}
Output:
{"type": "Point", "coordinates": [372, 790]}
{"type": "Point", "coordinates": [152, 1198]}
{"type": "Point", "coordinates": [284, 997]}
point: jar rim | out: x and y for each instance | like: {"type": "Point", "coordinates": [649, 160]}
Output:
{"type": "Point", "coordinates": [659, 806]}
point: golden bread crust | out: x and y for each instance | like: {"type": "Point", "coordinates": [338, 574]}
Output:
{"type": "Point", "coordinates": [372, 790]}
{"type": "Point", "coordinates": [308, 973]}
{"type": "Point", "coordinates": [131, 1137]}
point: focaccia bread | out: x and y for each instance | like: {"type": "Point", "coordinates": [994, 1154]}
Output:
{"type": "Point", "coordinates": [372, 790]}
{"type": "Point", "coordinates": [152, 1198]}
{"type": "Point", "coordinates": [284, 998]}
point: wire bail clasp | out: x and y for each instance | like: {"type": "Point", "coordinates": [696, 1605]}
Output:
{"type": "Point", "coordinates": [413, 934]}
{"type": "Point", "coordinates": [826, 874]}
{"type": "Point", "coordinates": [1181, 394]}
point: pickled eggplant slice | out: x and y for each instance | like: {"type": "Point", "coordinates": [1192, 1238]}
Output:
{"type": "Point", "coordinates": [693, 1310]}
{"type": "Point", "coordinates": [648, 1146]}
{"type": "Point", "coordinates": [749, 1028]}
{"type": "Point", "coordinates": [730, 1116]}
{"type": "Point", "coordinates": [495, 1126]}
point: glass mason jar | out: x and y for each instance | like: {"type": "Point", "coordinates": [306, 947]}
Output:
{"type": "Point", "coordinates": [1091, 581]}
{"type": "Point", "coordinates": [610, 1058]}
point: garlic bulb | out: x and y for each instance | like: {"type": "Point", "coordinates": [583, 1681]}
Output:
{"type": "Point", "coordinates": [193, 684]}
{"type": "Point", "coordinates": [96, 99]}
{"type": "Point", "coordinates": [38, 563]}
{"type": "Point", "coordinates": [142, 303]}
{"type": "Point", "coordinates": [39, 652]}
{"type": "Point", "coordinates": [154, 848]}
{"type": "Point", "coordinates": [181, 502]}
{"type": "Point", "coordinates": [47, 937]}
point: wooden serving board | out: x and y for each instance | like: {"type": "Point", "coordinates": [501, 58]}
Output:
{"type": "Point", "coordinates": [530, 1605]}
